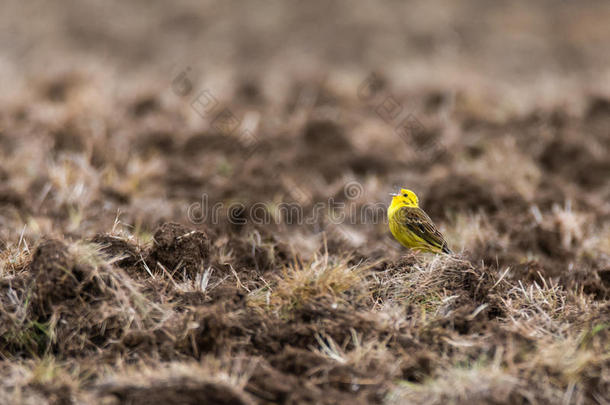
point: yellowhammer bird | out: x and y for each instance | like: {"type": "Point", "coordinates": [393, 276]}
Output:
{"type": "Point", "coordinates": [412, 227]}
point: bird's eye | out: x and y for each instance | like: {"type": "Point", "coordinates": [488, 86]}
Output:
{"type": "Point", "coordinates": [404, 195]}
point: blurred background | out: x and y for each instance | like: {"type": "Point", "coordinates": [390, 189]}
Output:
{"type": "Point", "coordinates": [520, 44]}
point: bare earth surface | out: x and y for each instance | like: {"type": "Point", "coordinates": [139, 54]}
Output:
{"type": "Point", "coordinates": [192, 202]}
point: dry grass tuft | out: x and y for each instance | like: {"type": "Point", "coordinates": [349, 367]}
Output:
{"type": "Point", "coordinates": [301, 284]}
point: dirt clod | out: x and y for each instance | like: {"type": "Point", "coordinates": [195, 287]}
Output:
{"type": "Point", "coordinates": [179, 249]}
{"type": "Point", "coordinates": [54, 275]}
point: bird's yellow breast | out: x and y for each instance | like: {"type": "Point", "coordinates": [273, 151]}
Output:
{"type": "Point", "coordinates": [405, 237]}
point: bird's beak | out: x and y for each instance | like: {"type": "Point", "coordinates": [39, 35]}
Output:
{"type": "Point", "coordinates": [393, 194]}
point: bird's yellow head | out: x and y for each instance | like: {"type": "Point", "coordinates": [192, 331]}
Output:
{"type": "Point", "coordinates": [406, 198]}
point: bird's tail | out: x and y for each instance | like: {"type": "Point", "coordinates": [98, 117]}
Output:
{"type": "Point", "coordinates": [447, 250]}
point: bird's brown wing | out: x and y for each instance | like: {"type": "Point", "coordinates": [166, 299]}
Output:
{"type": "Point", "coordinates": [418, 222]}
